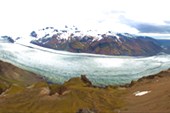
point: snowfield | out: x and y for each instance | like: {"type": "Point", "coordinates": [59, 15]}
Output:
{"type": "Point", "coordinates": [59, 66]}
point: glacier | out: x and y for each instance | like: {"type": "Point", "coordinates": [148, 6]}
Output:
{"type": "Point", "coordinates": [59, 66]}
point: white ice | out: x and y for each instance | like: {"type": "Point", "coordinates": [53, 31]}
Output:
{"type": "Point", "coordinates": [59, 66]}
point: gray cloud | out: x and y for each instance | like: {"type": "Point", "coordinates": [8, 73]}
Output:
{"type": "Point", "coordinates": [167, 22]}
{"type": "Point", "coordinates": [146, 27]}
{"type": "Point", "coordinates": [151, 28]}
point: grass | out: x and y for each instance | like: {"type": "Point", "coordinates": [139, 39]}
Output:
{"type": "Point", "coordinates": [78, 96]}
{"type": "Point", "coordinates": [23, 94]}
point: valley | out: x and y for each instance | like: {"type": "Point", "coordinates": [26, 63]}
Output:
{"type": "Point", "coordinates": [60, 66]}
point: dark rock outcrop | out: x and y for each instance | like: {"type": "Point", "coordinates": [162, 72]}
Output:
{"type": "Point", "coordinates": [86, 110]}
{"type": "Point", "coordinates": [86, 80]}
{"type": "Point", "coordinates": [7, 39]}
{"type": "Point", "coordinates": [33, 34]}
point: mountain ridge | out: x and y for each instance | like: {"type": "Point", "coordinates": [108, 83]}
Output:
{"type": "Point", "coordinates": [108, 43]}
{"type": "Point", "coordinates": [92, 41]}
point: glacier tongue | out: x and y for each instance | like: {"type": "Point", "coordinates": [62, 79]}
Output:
{"type": "Point", "coordinates": [59, 66]}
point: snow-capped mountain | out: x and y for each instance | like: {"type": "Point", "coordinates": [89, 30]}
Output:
{"type": "Point", "coordinates": [108, 43]}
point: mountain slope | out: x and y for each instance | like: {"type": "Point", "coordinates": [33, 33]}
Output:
{"type": "Point", "coordinates": [93, 42]}
{"type": "Point", "coordinates": [156, 100]}
{"type": "Point", "coordinates": [27, 93]}
{"type": "Point", "coordinates": [165, 44]}
{"type": "Point", "coordinates": [11, 75]}
{"type": "Point", "coordinates": [78, 95]}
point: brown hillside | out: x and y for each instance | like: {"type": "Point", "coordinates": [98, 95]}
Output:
{"type": "Point", "coordinates": [25, 92]}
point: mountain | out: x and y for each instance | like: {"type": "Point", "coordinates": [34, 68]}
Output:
{"type": "Point", "coordinates": [74, 40]}
{"type": "Point", "coordinates": [165, 44]}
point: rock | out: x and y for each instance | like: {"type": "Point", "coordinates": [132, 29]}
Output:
{"type": "Point", "coordinates": [7, 39]}
{"type": "Point", "coordinates": [62, 90]}
{"type": "Point", "coordinates": [86, 110]}
{"type": "Point", "coordinates": [33, 34]}
{"type": "Point", "coordinates": [1, 91]}
{"type": "Point", "coordinates": [86, 80]}
{"type": "Point", "coordinates": [58, 89]}
{"type": "Point", "coordinates": [45, 91]}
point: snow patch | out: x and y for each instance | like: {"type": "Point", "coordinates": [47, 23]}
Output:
{"type": "Point", "coordinates": [141, 93]}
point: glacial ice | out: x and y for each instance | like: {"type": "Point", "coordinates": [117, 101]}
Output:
{"type": "Point", "coordinates": [59, 66]}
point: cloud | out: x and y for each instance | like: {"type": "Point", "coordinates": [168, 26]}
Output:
{"type": "Point", "coordinates": [144, 27]}
{"type": "Point", "coordinates": [151, 28]}
{"type": "Point", "coordinates": [18, 16]}
{"type": "Point", "coordinates": [167, 22]}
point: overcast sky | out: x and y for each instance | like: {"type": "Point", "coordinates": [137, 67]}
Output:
{"type": "Point", "coordinates": [134, 16]}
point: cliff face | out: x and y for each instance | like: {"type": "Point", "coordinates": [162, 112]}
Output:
{"type": "Point", "coordinates": [108, 43]}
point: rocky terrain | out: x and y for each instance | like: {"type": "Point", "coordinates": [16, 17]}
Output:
{"type": "Point", "coordinates": [108, 43]}
{"type": "Point", "coordinates": [22, 91]}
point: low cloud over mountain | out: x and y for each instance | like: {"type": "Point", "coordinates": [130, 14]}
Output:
{"type": "Point", "coordinates": [145, 27]}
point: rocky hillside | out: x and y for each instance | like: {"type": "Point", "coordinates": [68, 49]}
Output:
{"type": "Point", "coordinates": [11, 75]}
{"type": "Point", "coordinates": [149, 94]}
{"type": "Point", "coordinates": [22, 91]}
{"type": "Point", "coordinates": [109, 43]}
